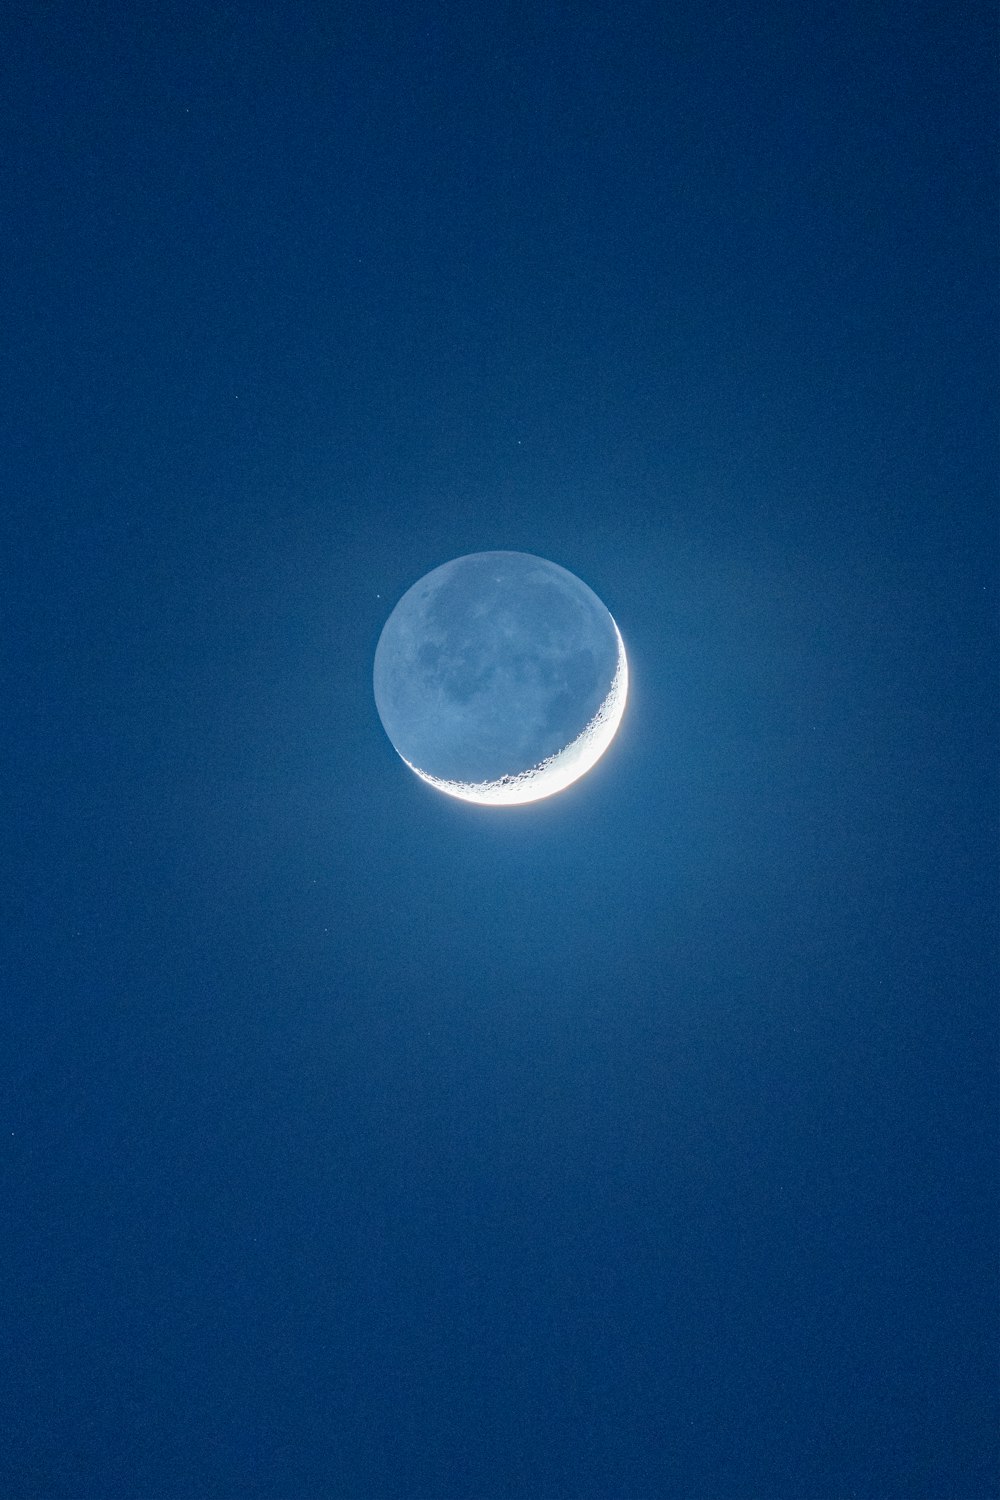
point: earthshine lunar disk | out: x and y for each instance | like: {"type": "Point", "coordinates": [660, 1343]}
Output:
{"type": "Point", "coordinates": [500, 678]}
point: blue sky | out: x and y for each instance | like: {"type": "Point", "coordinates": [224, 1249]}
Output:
{"type": "Point", "coordinates": [639, 1142]}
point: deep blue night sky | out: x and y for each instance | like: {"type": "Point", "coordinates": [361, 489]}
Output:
{"type": "Point", "coordinates": [362, 1143]}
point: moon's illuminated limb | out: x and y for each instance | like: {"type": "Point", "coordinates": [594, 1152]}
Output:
{"type": "Point", "coordinates": [558, 771]}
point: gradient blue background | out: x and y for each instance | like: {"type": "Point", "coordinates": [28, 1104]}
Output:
{"type": "Point", "coordinates": [358, 1142]}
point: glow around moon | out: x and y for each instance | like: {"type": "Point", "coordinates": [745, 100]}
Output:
{"type": "Point", "coordinates": [500, 678]}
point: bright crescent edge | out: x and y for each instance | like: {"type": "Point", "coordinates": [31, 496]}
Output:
{"type": "Point", "coordinates": [558, 771]}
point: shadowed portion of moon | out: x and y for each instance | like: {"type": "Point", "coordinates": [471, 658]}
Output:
{"type": "Point", "coordinates": [500, 677]}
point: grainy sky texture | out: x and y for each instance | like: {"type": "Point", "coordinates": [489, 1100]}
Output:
{"type": "Point", "coordinates": [358, 1142]}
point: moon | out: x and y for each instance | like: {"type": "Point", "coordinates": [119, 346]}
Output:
{"type": "Point", "coordinates": [500, 678]}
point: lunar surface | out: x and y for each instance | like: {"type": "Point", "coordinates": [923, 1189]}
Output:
{"type": "Point", "coordinates": [500, 678]}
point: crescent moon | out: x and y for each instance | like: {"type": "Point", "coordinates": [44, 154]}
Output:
{"type": "Point", "coordinates": [559, 770]}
